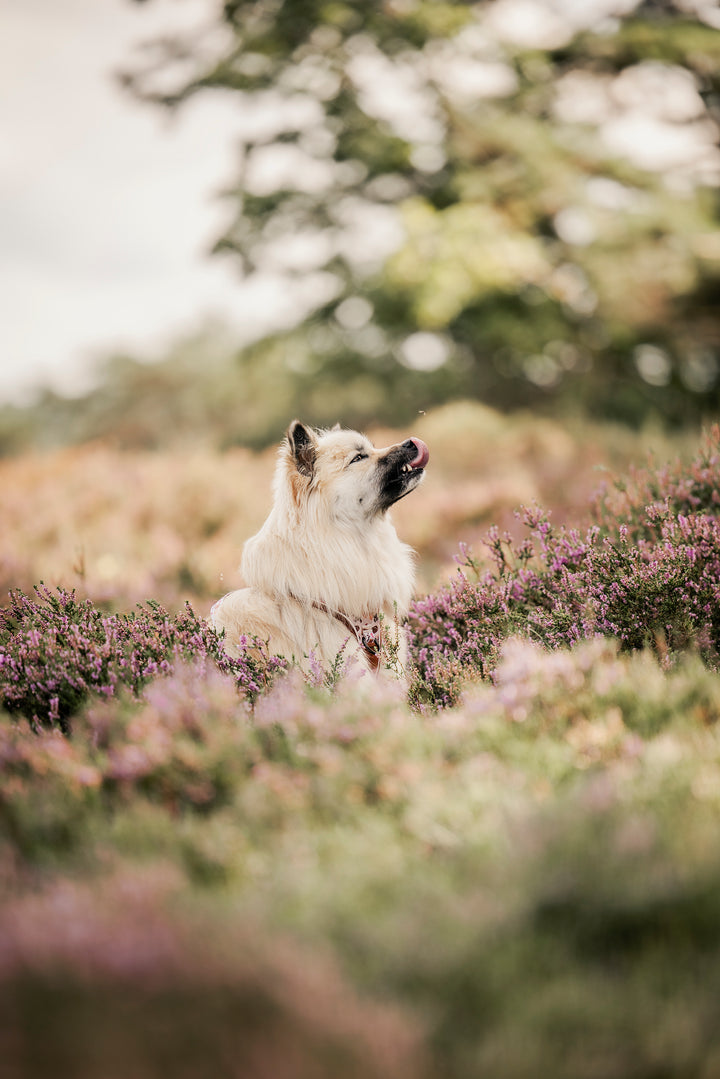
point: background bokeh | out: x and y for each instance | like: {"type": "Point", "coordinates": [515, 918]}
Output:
{"type": "Point", "coordinates": [512, 201]}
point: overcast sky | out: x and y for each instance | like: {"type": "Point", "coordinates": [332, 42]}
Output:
{"type": "Point", "coordinates": [107, 207]}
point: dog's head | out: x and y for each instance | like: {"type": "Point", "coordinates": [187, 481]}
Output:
{"type": "Point", "coordinates": [343, 470]}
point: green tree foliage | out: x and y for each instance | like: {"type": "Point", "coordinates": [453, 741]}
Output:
{"type": "Point", "coordinates": [474, 214]}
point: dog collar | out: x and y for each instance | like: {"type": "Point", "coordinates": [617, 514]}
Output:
{"type": "Point", "coordinates": [366, 631]}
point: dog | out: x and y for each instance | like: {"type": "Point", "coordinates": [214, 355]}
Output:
{"type": "Point", "coordinates": [327, 574]}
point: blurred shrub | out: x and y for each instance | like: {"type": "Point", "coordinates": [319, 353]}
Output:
{"type": "Point", "coordinates": [530, 878]}
{"type": "Point", "coordinates": [124, 526]}
{"type": "Point", "coordinates": [647, 573]}
{"type": "Point", "coordinates": [203, 392]}
{"type": "Point", "coordinates": [128, 988]}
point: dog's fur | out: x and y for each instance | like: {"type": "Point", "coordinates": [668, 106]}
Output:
{"type": "Point", "coordinates": [328, 554]}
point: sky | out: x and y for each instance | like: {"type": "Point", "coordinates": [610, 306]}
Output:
{"type": "Point", "coordinates": [107, 207]}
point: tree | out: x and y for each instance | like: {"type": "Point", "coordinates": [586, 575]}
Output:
{"type": "Point", "coordinates": [482, 209]}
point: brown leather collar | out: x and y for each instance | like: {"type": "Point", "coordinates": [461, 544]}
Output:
{"type": "Point", "coordinates": [367, 633]}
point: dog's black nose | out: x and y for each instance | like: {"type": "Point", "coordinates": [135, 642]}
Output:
{"type": "Point", "coordinates": [409, 445]}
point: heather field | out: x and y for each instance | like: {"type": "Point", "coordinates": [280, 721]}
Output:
{"type": "Point", "coordinates": [508, 867]}
{"type": "Point", "coordinates": [123, 526]}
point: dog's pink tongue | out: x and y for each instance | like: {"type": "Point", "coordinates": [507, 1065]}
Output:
{"type": "Point", "coordinates": [423, 454]}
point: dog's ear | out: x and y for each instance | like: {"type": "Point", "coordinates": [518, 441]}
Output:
{"type": "Point", "coordinates": [302, 447]}
{"type": "Point", "coordinates": [336, 427]}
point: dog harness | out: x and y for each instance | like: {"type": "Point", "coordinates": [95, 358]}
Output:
{"type": "Point", "coordinates": [366, 631]}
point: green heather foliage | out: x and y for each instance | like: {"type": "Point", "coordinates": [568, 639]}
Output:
{"type": "Point", "coordinates": [202, 877]}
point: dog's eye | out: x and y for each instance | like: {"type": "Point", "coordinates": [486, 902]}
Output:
{"type": "Point", "coordinates": [358, 457]}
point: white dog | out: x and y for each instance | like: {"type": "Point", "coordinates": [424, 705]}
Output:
{"type": "Point", "coordinates": [326, 571]}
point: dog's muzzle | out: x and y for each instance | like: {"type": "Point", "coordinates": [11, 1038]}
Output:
{"type": "Point", "coordinates": [401, 469]}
